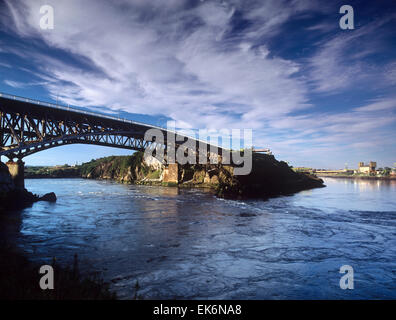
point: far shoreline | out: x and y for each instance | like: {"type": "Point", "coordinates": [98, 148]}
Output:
{"type": "Point", "coordinates": [181, 185]}
{"type": "Point", "coordinates": [356, 177]}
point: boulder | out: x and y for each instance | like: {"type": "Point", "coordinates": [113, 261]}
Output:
{"type": "Point", "coordinates": [50, 197]}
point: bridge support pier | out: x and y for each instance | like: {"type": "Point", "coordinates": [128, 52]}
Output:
{"type": "Point", "coordinates": [17, 171]}
{"type": "Point", "coordinates": [171, 173]}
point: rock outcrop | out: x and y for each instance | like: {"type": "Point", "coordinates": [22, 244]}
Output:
{"type": "Point", "coordinates": [12, 197]}
{"type": "Point", "coordinates": [50, 197]}
{"type": "Point", "coordinates": [268, 177]}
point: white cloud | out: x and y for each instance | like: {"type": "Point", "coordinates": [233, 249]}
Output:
{"type": "Point", "coordinates": [379, 105]}
{"type": "Point", "coordinates": [341, 135]}
{"type": "Point", "coordinates": [159, 59]}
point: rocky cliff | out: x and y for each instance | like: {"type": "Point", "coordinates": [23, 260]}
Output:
{"type": "Point", "coordinates": [268, 178]}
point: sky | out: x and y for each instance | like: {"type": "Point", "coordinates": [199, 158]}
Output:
{"type": "Point", "coordinates": [315, 94]}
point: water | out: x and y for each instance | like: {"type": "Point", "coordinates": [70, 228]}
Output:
{"type": "Point", "coordinates": [189, 244]}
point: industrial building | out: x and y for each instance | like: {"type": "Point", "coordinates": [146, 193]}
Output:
{"type": "Point", "coordinates": [367, 169]}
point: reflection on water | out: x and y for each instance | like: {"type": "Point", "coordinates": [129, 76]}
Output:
{"type": "Point", "coordinates": [182, 243]}
{"type": "Point", "coordinates": [351, 194]}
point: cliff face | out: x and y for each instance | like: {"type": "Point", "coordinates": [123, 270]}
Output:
{"type": "Point", "coordinates": [126, 169]}
{"type": "Point", "coordinates": [268, 178]}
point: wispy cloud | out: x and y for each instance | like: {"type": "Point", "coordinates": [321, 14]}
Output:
{"type": "Point", "coordinates": [368, 128]}
{"type": "Point", "coordinates": [340, 62]}
{"type": "Point", "coordinates": [379, 105]}
{"type": "Point", "coordinates": [14, 84]}
{"type": "Point", "coordinates": [161, 59]}
{"type": "Point", "coordinates": [5, 65]}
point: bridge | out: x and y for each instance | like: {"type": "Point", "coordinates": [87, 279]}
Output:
{"type": "Point", "coordinates": [28, 126]}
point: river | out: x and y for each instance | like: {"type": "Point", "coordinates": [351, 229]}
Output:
{"type": "Point", "coordinates": [188, 244]}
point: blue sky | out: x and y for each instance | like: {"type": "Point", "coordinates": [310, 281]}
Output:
{"type": "Point", "coordinates": [315, 94]}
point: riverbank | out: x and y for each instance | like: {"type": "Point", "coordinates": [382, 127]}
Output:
{"type": "Point", "coordinates": [341, 176]}
{"type": "Point", "coordinates": [19, 280]}
{"type": "Point", "coordinates": [43, 172]}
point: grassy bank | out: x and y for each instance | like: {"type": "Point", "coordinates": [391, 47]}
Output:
{"type": "Point", "coordinates": [65, 171]}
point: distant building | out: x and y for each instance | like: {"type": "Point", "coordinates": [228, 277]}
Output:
{"type": "Point", "coordinates": [370, 168]}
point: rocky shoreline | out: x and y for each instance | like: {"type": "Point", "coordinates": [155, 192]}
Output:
{"type": "Point", "coordinates": [268, 178]}
{"type": "Point", "coordinates": [13, 198]}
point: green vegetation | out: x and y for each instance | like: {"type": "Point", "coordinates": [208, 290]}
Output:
{"type": "Point", "coordinates": [64, 171]}
{"type": "Point", "coordinates": [154, 174]}
{"type": "Point", "coordinates": [169, 184]}
{"type": "Point", "coordinates": [386, 171]}
{"type": "Point", "coordinates": [301, 169]}
{"type": "Point", "coordinates": [114, 167]}
{"type": "Point", "coordinates": [117, 165]}
{"type": "Point", "coordinates": [346, 173]}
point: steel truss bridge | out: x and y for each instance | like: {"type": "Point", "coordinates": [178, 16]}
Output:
{"type": "Point", "coordinates": [28, 126]}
